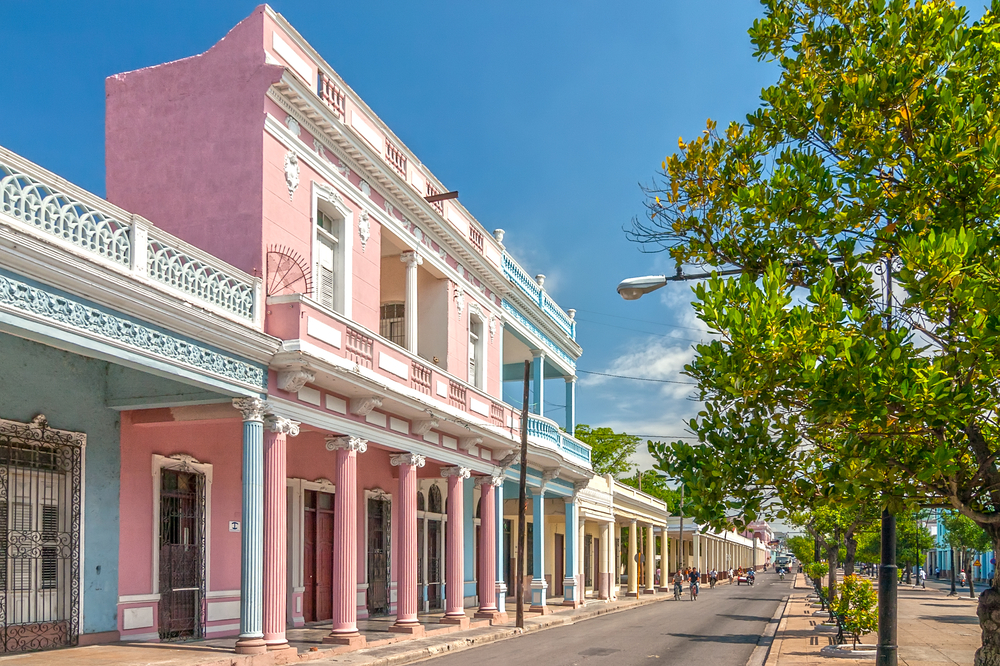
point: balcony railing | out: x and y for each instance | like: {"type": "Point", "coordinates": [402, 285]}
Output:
{"type": "Point", "coordinates": [98, 228]}
{"type": "Point", "coordinates": [542, 428]}
{"type": "Point", "coordinates": [331, 93]}
{"type": "Point", "coordinates": [476, 238]}
{"type": "Point", "coordinates": [513, 272]}
{"type": "Point", "coordinates": [395, 157]}
{"type": "Point", "coordinates": [433, 191]}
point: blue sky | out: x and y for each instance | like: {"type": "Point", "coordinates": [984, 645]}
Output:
{"type": "Point", "coordinates": [546, 116]}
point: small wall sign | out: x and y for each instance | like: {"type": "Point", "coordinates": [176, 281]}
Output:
{"type": "Point", "coordinates": [234, 526]}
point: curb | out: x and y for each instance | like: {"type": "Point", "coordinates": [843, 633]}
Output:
{"type": "Point", "coordinates": [767, 639]}
{"type": "Point", "coordinates": [403, 653]}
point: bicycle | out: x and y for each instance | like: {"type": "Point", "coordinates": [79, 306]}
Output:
{"type": "Point", "coordinates": [678, 591]}
{"type": "Point", "coordinates": [694, 591]}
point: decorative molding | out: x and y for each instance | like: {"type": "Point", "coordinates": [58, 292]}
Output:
{"type": "Point", "coordinates": [320, 149]}
{"type": "Point", "coordinates": [293, 126]}
{"type": "Point", "coordinates": [548, 475]}
{"type": "Point", "coordinates": [498, 234]}
{"type": "Point", "coordinates": [252, 409]}
{"type": "Point", "coordinates": [466, 443]}
{"type": "Point", "coordinates": [510, 460]}
{"type": "Point", "coordinates": [456, 470]}
{"type": "Point", "coordinates": [328, 193]}
{"type": "Point", "coordinates": [421, 427]}
{"type": "Point", "coordinates": [292, 381]}
{"type": "Point", "coordinates": [349, 443]}
{"type": "Point", "coordinates": [291, 172]}
{"type": "Point", "coordinates": [342, 168]}
{"type": "Point", "coordinates": [281, 425]}
{"type": "Point", "coordinates": [579, 485]}
{"type": "Point", "coordinates": [459, 299]}
{"type": "Point", "coordinates": [364, 406]}
{"type": "Point", "coordinates": [495, 481]}
{"type": "Point", "coordinates": [411, 258]}
{"type": "Point", "coordinates": [474, 309]}
{"type": "Point", "coordinates": [414, 459]}
{"type": "Point", "coordinates": [493, 327]}
{"type": "Point", "coordinates": [66, 311]}
{"type": "Point", "coordinates": [389, 210]}
{"type": "Point", "coordinates": [364, 229]}
{"type": "Point", "coordinates": [365, 188]}
{"type": "Point", "coordinates": [38, 430]}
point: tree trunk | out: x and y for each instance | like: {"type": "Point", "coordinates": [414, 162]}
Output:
{"type": "Point", "coordinates": [831, 556]}
{"type": "Point", "coordinates": [850, 548]}
{"type": "Point", "coordinates": [988, 611]}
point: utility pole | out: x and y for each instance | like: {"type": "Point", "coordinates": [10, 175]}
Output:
{"type": "Point", "coordinates": [680, 510]}
{"type": "Point", "coordinates": [522, 500]}
{"type": "Point", "coordinates": [954, 592]}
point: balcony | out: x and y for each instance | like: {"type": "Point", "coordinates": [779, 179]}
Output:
{"type": "Point", "coordinates": [513, 272]}
{"type": "Point", "coordinates": [45, 205]}
{"type": "Point", "coordinates": [332, 95]}
{"type": "Point", "coordinates": [324, 333]}
{"type": "Point", "coordinates": [543, 429]}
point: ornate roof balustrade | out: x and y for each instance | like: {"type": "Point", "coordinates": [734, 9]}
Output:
{"type": "Point", "coordinates": [48, 205]}
{"type": "Point", "coordinates": [542, 428]}
{"type": "Point", "coordinates": [513, 272]}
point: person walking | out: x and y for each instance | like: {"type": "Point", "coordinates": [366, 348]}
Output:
{"type": "Point", "coordinates": [713, 577]}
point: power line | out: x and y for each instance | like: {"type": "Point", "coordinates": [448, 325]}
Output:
{"type": "Point", "coordinates": [638, 379]}
{"type": "Point", "coordinates": [626, 328]}
{"type": "Point", "coordinates": [645, 321]}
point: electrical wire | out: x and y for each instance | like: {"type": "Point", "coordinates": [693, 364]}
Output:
{"type": "Point", "coordinates": [626, 328]}
{"type": "Point", "coordinates": [638, 379]}
{"type": "Point", "coordinates": [645, 321]}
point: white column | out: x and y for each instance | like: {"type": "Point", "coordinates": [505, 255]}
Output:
{"type": "Point", "coordinates": [538, 382]}
{"type": "Point", "coordinates": [604, 562]}
{"type": "Point", "coordinates": [696, 546]}
{"type": "Point", "coordinates": [570, 403]}
{"type": "Point", "coordinates": [412, 259]}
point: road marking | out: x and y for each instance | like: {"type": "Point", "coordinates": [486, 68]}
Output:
{"type": "Point", "coordinates": [759, 655]}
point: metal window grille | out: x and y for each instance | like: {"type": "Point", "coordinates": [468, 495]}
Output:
{"type": "Point", "coordinates": [392, 323]}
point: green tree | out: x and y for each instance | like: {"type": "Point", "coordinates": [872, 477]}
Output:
{"type": "Point", "coordinates": [609, 450]}
{"type": "Point", "coordinates": [874, 153]}
{"type": "Point", "coordinates": [655, 484]}
{"type": "Point", "coordinates": [965, 536]}
{"type": "Point", "coordinates": [802, 548]}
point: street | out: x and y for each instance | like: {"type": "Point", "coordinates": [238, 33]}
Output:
{"type": "Point", "coordinates": [721, 628]}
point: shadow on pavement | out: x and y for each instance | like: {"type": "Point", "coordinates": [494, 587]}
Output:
{"type": "Point", "coordinates": [725, 638]}
{"type": "Point", "coordinates": [745, 618]}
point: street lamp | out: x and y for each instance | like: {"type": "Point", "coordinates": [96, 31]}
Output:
{"type": "Point", "coordinates": [634, 288]}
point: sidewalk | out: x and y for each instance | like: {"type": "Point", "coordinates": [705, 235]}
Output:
{"type": "Point", "coordinates": [933, 630]}
{"type": "Point", "coordinates": [383, 647]}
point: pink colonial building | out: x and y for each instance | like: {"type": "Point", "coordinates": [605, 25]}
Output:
{"type": "Point", "coordinates": [376, 476]}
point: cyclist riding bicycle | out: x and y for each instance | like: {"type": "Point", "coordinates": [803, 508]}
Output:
{"type": "Point", "coordinates": [678, 584]}
{"type": "Point", "coordinates": [695, 579]}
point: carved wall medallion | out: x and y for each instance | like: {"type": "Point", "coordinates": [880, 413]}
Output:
{"type": "Point", "coordinates": [365, 188]}
{"type": "Point", "coordinates": [459, 299]}
{"type": "Point", "coordinates": [364, 229]}
{"type": "Point", "coordinates": [291, 172]}
{"type": "Point", "coordinates": [389, 209]}
{"type": "Point", "coordinates": [344, 170]}
{"type": "Point", "coordinates": [319, 148]}
{"type": "Point", "coordinates": [293, 126]}
{"type": "Point", "coordinates": [493, 327]}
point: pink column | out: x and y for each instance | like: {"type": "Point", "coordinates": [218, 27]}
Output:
{"type": "Point", "coordinates": [345, 541]}
{"type": "Point", "coordinates": [276, 430]}
{"type": "Point", "coordinates": [454, 570]}
{"type": "Point", "coordinates": [488, 550]}
{"type": "Point", "coordinates": [406, 544]}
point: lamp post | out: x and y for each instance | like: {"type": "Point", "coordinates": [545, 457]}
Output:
{"type": "Point", "coordinates": [632, 289]}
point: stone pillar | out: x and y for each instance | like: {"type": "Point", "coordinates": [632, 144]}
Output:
{"type": "Point", "coordinates": [696, 548]}
{"type": "Point", "coordinates": [406, 543]}
{"type": "Point", "coordinates": [537, 382]}
{"type": "Point", "coordinates": [412, 259]}
{"type": "Point", "coordinates": [501, 589]}
{"type": "Point", "coordinates": [633, 559]}
{"type": "Point", "coordinates": [345, 541]}
{"type": "Point", "coordinates": [539, 587]}
{"type": "Point", "coordinates": [455, 563]}
{"type": "Point", "coordinates": [581, 574]}
{"type": "Point", "coordinates": [571, 594]}
{"type": "Point", "coordinates": [604, 562]}
{"type": "Point", "coordinates": [650, 561]}
{"type": "Point", "coordinates": [251, 640]}
{"type": "Point", "coordinates": [570, 404]}
{"type": "Point", "coordinates": [488, 529]}
{"type": "Point", "coordinates": [276, 530]}
{"type": "Point", "coordinates": [664, 560]}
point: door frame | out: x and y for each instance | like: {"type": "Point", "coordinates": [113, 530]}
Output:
{"type": "Point", "coordinates": [361, 598]}
{"type": "Point", "coordinates": [184, 463]}
{"type": "Point", "coordinates": [295, 588]}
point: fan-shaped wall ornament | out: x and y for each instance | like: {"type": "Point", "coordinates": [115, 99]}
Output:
{"type": "Point", "coordinates": [287, 272]}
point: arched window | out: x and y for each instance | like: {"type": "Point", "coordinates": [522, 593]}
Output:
{"type": "Point", "coordinates": [435, 500]}
{"type": "Point", "coordinates": [420, 500]}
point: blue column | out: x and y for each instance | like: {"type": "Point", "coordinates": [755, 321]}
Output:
{"type": "Point", "coordinates": [537, 383]}
{"type": "Point", "coordinates": [470, 540]}
{"type": "Point", "coordinates": [251, 640]}
{"type": "Point", "coordinates": [538, 584]}
{"type": "Point", "coordinates": [570, 597]}
{"type": "Point", "coordinates": [570, 404]}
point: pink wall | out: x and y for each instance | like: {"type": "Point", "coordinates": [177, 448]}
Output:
{"type": "Point", "coordinates": [216, 442]}
{"type": "Point", "coordinates": [183, 144]}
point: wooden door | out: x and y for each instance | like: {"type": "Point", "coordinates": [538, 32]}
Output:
{"type": "Point", "coordinates": [317, 557]}
{"type": "Point", "coordinates": [558, 574]}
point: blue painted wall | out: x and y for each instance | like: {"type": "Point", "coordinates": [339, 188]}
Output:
{"type": "Point", "coordinates": [70, 391]}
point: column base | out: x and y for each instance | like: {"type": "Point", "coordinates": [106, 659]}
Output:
{"type": "Point", "coordinates": [250, 646]}
{"type": "Point", "coordinates": [649, 590]}
{"type": "Point", "coordinates": [494, 616]}
{"type": "Point", "coordinates": [541, 610]}
{"type": "Point", "coordinates": [632, 595]}
{"type": "Point", "coordinates": [457, 620]}
{"type": "Point", "coordinates": [572, 603]}
{"type": "Point", "coordinates": [413, 629]}
{"type": "Point", "coordinates": [354, 640]}
{"type": "Point", "coordinates": [663, 589]}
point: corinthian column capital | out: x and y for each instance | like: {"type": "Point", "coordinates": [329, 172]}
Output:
{"type": "Point", "coordinates": [411, 258]}
{"type": "Point", "coordinates": [252, 409]}
{"type": "Point", "coordinates": [281, 425]}
{"type": "Point", "coordinates": [414, 459]}
{"type": "Point", "coordinates": [349, 443]}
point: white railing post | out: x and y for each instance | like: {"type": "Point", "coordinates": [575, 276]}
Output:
{"type": "Point", "coordinates": [139, 240]}
{"type": "Point", "coordinates": [258, 303]}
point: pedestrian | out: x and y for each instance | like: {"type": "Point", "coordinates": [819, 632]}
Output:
{"type": "Point", "coordinates": [656, 577]}
{"type": "Point", "coordinates": [713, 576]}
{"type": "Point", "coordinates": [961, 578]}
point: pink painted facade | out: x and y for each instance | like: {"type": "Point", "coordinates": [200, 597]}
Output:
{"type": "Point", "coordinates": [266, 159]}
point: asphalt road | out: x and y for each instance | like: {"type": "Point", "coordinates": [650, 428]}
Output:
{"type": "Point", "coordinates": [721, 628]}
